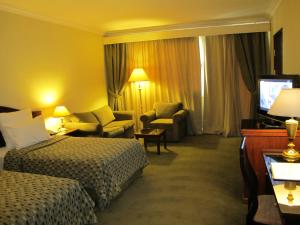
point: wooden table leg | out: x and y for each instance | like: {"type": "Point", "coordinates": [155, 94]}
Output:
{"type": "Point", "coordinates": [158, 146]}
{"type": "Point", "coordinates": [165, 140]}
{"type": "Point", "coordinates": [145, 143]}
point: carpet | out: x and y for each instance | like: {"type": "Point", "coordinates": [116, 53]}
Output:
{"type": "Point", "coordinates": [196, 181]}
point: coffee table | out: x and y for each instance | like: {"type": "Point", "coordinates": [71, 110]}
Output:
{"type": "Point", "coordinates": [153, 134]}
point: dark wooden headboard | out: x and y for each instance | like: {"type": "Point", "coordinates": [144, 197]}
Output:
{"type": "Point", "coordinates": [4, 109]}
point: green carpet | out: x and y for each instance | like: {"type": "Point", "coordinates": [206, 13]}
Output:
{"type": "Point", "coordinates": [196, 181]}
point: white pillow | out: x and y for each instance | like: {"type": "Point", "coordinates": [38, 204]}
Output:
{"type": "Point", "coordinates": [29, 133]}
{"type": "Point", "coordinates": [11, 118]}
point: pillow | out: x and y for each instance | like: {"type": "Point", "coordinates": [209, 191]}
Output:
{"type": "Point", "coordinates": [86, 117]}
{"type": "Point", "coordinates": [104, 115]}
{"type": "Point", "coordinates": [7, 119]}
{"type": "Point", "coordinates": [166, 110]}
{"type": "Point", "coordinates": [27, 133]}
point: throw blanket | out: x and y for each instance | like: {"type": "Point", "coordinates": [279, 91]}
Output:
{"type": "Point", "coordinates": [101, 165]}
{"type": "Point", "coordinates": [36, 199]}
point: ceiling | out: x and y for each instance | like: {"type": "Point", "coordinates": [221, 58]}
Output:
{"type": "Point", "coordinates": [104, 16]}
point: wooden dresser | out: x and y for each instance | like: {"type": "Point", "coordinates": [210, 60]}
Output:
{"type": "Point", "coordinates": [264, 140]}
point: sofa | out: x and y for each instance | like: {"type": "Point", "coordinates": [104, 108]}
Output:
{"type": "Point", "coordinates": [169, 116]}
{"type": "Point", "coordinates": [102, 122]}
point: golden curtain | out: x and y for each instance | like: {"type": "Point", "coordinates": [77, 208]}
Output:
{"type": "Point", "coordinates": [173, 67]}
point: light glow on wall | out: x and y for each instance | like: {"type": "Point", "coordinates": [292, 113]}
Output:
{"type": "Point", "coordinates": [47, 90]}
{"type": "Point", "coordinates": [48, 97]}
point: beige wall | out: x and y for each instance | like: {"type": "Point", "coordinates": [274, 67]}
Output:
{"type": "Point", "coordinates": [287, 16]}
{"type": "Point", "coordinates": [44, 64]}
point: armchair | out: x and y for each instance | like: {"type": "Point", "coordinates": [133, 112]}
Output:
{"type": "Point", "coordinates": [169, 116]}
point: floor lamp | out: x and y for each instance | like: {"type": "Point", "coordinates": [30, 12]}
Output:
{"type": "Point", "coordinates": [138, 76]}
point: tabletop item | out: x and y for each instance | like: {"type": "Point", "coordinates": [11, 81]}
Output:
{"type": "Point", "coordinates": [287, 104]}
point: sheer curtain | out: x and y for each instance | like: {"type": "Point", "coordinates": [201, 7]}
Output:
{"type": "Point", "coordinates": [222, 113]}
{"type": "Point", "coordinates": [173, 67]}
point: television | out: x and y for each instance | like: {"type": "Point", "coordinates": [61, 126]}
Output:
{"type": "Point", "coordinates": [269, 87]}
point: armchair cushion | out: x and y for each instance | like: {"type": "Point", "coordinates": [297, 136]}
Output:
{"type": "Point", "coordinates": [163, 122]}
{"type": "Point", "coordinates": [166, 110]}
{"type": "Point", "coordinates": [104, 115]}
{"type": "Point", "coordinates": [179, 115]}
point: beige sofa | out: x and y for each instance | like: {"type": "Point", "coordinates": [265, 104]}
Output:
{"type": "Point", "coordinates": [169, 116]}
{"type": "Point", "coordinates": [102, 122]}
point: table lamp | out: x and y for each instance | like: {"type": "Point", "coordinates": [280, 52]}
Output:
{"type": "Point", "coordinates": [138, 75]}
{"type": "Point", "coordinates": [61, 111]}
{"type": "Point", "coordinates": [288, 104]}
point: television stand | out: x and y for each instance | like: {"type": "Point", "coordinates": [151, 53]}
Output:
{"type": "Point", "coordinates": [270, 126]}
{"type": "Point", "coordinates": [271, 122]}
{"type": "Point", "coordinates": [258, 124]}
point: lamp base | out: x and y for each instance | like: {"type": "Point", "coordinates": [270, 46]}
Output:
{"type": "Point", "coordinates": [290, 154]}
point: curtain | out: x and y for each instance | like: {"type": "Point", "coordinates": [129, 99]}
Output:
{"type": "Point", "coordinates": [252, 53]}
{"type": "Point", "coordinates": [116, 74]}
{"type": "Point", "coordinates": [173, 67]}
{"type": "Point", "coordinates": [221, 96]}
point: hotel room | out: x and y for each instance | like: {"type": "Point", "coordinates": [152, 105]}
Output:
{"type": "Point", "coordinates": [81, 81]}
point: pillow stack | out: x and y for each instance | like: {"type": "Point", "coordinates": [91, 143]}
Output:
{"type": "Point", "coordinates": [20, 130]}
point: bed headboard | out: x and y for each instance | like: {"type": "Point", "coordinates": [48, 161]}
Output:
{"type": "Point", "coordinates": [4, 109]}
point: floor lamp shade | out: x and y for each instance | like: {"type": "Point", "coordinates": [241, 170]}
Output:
{"type": "Point", "coordinates": [288, 104]}
{"type": "Point", "coordinates": [138, 75]}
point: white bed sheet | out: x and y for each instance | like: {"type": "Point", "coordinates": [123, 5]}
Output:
{"type": "Point", "coordinates": [3, 152]}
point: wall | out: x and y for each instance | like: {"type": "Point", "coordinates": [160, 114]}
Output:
{"type": "Point", "coordinates": [287, 17]}
{"type": "Point", "coordinates": [44, 64]}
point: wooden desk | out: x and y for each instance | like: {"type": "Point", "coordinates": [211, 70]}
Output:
{"type": "Point", "coordinates": [259, 139]}
{"type": "Point", "coordinates": [290, 210]}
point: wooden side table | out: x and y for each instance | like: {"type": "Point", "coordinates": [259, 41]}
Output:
{"type": "Point", "coordinates": [153, 134]}
{"type": "Point", "coordinates": [70, 132]}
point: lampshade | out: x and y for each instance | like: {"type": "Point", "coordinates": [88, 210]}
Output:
{"type": "Point", "coordinates": [287, 103]}
{"type": "Point", "coordinates": [138, 74]}
{"type": "Point", "coordinates": [61, 111]}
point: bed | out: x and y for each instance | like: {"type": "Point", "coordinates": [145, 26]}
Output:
{"type": "Point", "coordinates": [38, 199]}
{"type": "Point", "coordinates": [103, 166]}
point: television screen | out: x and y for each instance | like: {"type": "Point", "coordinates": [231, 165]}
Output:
{"type": "Point", "coordinates": [270, 89]}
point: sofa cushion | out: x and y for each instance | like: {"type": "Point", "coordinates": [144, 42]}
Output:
{"type": "Point", "coordinates": [126, 124]}
{"type": "Point", "coordinates": [104, 115]}
{"type": "Point", "coordinates": [85, 117]}
{"type": "Point", "coordinates": [166, 110]}
{"type": "Point", "coordinates": [113, 131]}
{"type": "Point", "coordinates": [87, 127]}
